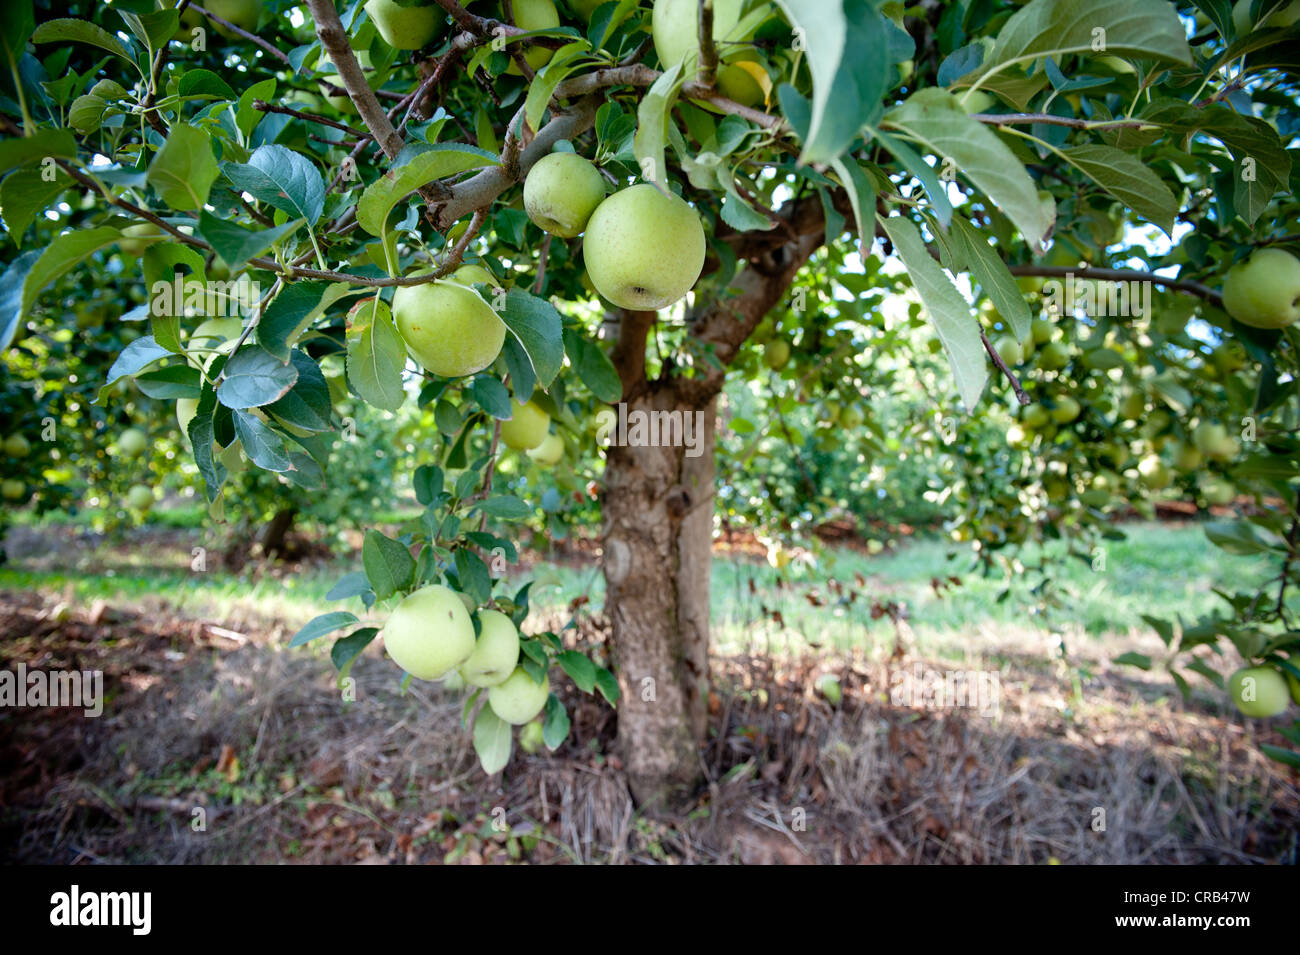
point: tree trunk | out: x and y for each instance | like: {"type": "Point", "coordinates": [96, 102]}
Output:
{"type": "Point", "coordinates": [276, 531]}
{"type": "Point", "coordinates": [657, 552]}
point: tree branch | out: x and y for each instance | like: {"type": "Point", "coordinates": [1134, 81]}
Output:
{"type": "Point", "coordinates": [1213, 296]}
{"type": "Point", "coordinates": [708, 72]}
{"type": "Point", "coordinates": [251, 37]}
{"type": "Point", "coordinates": [1002, 367]}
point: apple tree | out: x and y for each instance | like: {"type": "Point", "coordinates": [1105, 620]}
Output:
{"type": "Point", "coordinates": [514, 217]}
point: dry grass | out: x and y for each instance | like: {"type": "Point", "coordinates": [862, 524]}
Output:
{"type": "Point", "coordinates": [259, 738]}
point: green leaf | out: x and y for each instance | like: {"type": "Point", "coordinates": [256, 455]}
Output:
{"type": "Point", "coordinates": [847, 55]}
{"type": "Point", "coordinates": [182, 172]}
{"type": "Point", "coordinates": [282, 178]}
{"type": "Point", "coordinates": [319, 626]}
{"type": "Point", "coordinates": [580, 669]}
{"type": "Point", "coordinates": [1128, 179]}
{"type": "Point", "coordinates": [389, 564]}
{"type": "Point", "coordinates": [421, 168]}
{"type": "Point", "coordinates": [934, 119]}
{"type": "Point", "coordinates": [262, 445]}
{"type": "Point", "coordinates": [1145, 29]}
{"type": "Point", "coordinates": [1163, 628]}
{"type": "Point", "coordinates": [1288, 757]}
{"type": "Point", "coordinates": [154, 29]}
{"type": "Point", "coordinates": [492, 396]}
{"type": "Point", "coordinates": [376, 356]}
{"type": "Point", "coordinates": [246, 115]}
{"type": "Point", "coordinates": [504, 506]}
{"type": "Point", "coordinates": [607, 685]}
{"type": "Point", "coordinates": [652, 119]}
{"type": "Point", "coordinates": [862, 196]}
{"type": "Point", "coordinates": [61, 256]}
{"type": "Point", "coordinates": [307, 404]}
{"type": "Point", "coordinates": [347, 649]}
{"type": "Point", "coordinates": [593, 367]}
{"type": "Point", "coordinates": [20, 150]}
{"type": "Point", "coordinates": [563, 62]}
{"type": "Point", "coordinates": [235, 244]}
{"type": "Point", "coordinates": [24, 194]}
{"type": "Point", "coordinates": [555, 723]}
{"type": "Point", "coordinates": [474, 577]}
{"type": "Point", "coordinates": [493, 741]}
{"type": "Point", "coordinates": [1242, 537]}
{"type": "Point", "coordinates": [353, 584]}
{"type": "Point", "coordinates": [1139, 660]}
{"type": "Point", "coordinates": [992, 275]}
{"type": "Point", "coordinates": [82, 31]}
{"type": "Point", "coordinates": [171, 382]}
{"type": "Point", "coordinates": [134, 358]}
{"type": "Point", "coordinates": [538, 327]}
{"type": "Point", "coordinates": [296, 307]}
{"type": "Point", "coordinates": [949, 313]}
{"type": "Point", "coordinates": [204, 84]}
{"type": "Point", "coordinates": [922, 170]}
{"type": "Point", "coordinates": [254, 377]}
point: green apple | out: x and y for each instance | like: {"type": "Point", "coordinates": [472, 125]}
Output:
{"type": "Point", "coordinates": [1258, 691]}
{"type": "Point", "coordinates": [495, 652]}
{"type": "Point", "coordinates": [561, 192]}
{"type": "Point", "coordinates": [744, 82]}
{"type": "Point", "coordinates": [1294, 685]}
{"type": "Point", "coordinates": [186, 409]}
{"type": "Point", "coordinates": [12, 489]}
{"type": "Point", "coordinates": [829, 687]}
{"type": "Point", "coordinates": [1188, 457]}
{"type": "Point", "coordinates": [676, 28]}
{"type": "Point", "coordinates": [1213, 440]}
{"type": "Point", "coordinates": [1035, 416]}
{"type": "Point", "coordinates": [1154, 474]}
{"type": "Point", "coordinates": [585, 8]}
{"type": "Point", "coordinates": [16, 446]}
{"type": "Point", "coordinates": [242, 13]}
{"type": "Point", "coordinates": [1217, 491]}
{"type": "Point", "coordinates": [448, 327]}
{"type": "Point", "coordinates": [1041, 330]}
{"type": "Point", "coordinates": [644, 249]}
{"type": "Point", "coordinates": [132, 443]}
{"type": "Point", "coordinates": [534, 15]}
{"type": "Point", "coordinates": [1066, 410]}
{"type": "Point", "coordinates": [190, 19]}
{"type": "Point", "coordinates": [977, 102]}
{"type": "Point", "coordinates": [405, 28]}
{"type": "Point", "coordinates": [1133, 406]}
{"type": "Point", "coordinates": [776, 353]}
{"type": "Point", "coordinates": [527, 428]}
{"type": "Point", "coordinates": [139, 498]}
{"type": "Point", "coordinates": [1264, 291]}
{"type": "Point", "coordinates": [430, 633]}
{"type": "Point", "coordinates": [852, 417]}
{"type": "Point", "coordinates": [549, 452]}
{"type": "Point", "coordinates": [531, 737]}
{"type": "Point", "coordinates": [1009, 351]}
{"type": "Point", "coordinates": [138, 237]}
{"type": "Point", "coordinates": [1054, 356]}
{"type": "Point", "coordinates": [518, 699]}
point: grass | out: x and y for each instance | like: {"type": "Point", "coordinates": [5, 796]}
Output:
{"type": "Point", "coordinates": [1161, 570]}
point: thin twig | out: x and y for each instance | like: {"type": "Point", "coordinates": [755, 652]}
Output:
{"type": "Point", "coordinates": [1002, 367]}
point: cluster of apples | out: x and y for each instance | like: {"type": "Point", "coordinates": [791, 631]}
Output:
{"type": "Point", "coordinates": [430, 635]}
{"type": "Point", "coordinates": [14, 446]}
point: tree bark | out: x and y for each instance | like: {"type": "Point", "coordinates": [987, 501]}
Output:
{"type": "Point", "coordinates": [275, 532]}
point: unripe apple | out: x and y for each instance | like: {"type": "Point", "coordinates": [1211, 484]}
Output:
{"type": "Point", "coordinates": [1258, 691]}
{"type": "Point", "coordinates": [1188, 457]}
{"type": "Point", "coordinates": [1133, 406]}
{"type": "Point", "coordinates": [450, 330]}
{"type": "Point", "coordinates": [531, 737]}
{"type": "Point", "coordinates": [189, 20]}
{"type": "Point", "coordinates": [776, 354]}
{"type": "Point", "coordinates": [852, 417]}
{"type": "Point", "coordinates": [1066, 410]}
{"type": "Point", "coordinates": [132, 443]}
{"type": "Point", "coordinates": [1264, 291]}
{"type": "Point", "coordinates": [1054, 356]}
{"type": "Point", "coordinates": [1217, 491]}
{"type": "Point", "coordinates": [13, 489]}
{"type": "Point", "coordinates": [527, 428]}
{"type": "Point", "coordinates": [242, 13]}
{"type": "Point", "coordinates": [495, 652]}
{"type": "Point", "coordinates": [1009, 351]}
{"type": "Point", "coordinates": [186, 409]}
{"type": "Point", "coordinates": [1214, 441]}
{"type": "Point", "coordinates": [16, 446]}
{"type": "Point", "coordinates": [549, 452]}
{"type": "Point", "coordinates": [644, 249]}
{"type": "Point", "coordinates": [139, 498]}
{"type": "Point", "coordinates": [430, 633]}
{"type": "Point", "coordinates": [744, 82]}
{"type": "Point", "coordinates": [561, 192]}
{"type": "Point", "coordinates": [518, 699]}
{"type": "Point", "coordinates": [1154, 473]}
{"type": "Point", "coordinates": [1034, 416]}
{"type": "Point", "coordinates": [534, 15]}
{"type": "Point", "coordinates": [676, 28]}
{"type": "Point", "coordinates": [138, 237]}
{"type": "Point", "coordinates": [1041, 330]}
{"type": "Point", "coordinates": [977, 102]}
{"type": "Point", "coordinates": [829, 687]}
{"type": "Point", "coordinates": [1294, 685]}
{"type": "Point", "coordinates": [405, 28]}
